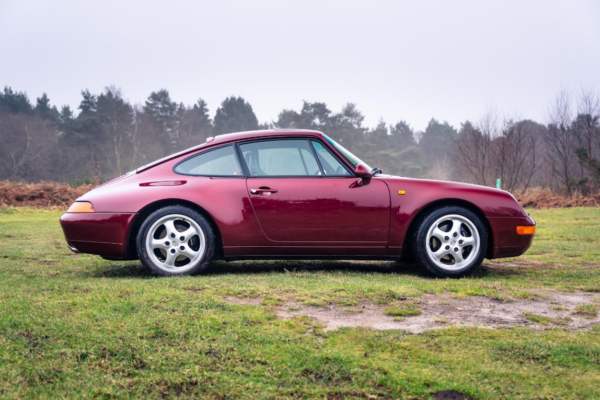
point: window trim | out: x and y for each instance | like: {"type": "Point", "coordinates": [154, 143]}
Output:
{"type": "Point", "coordinates": [335, 156]}
{"type": "Point", "coordinates": [235, 154]}
{"type": "Point", "coordinates": [313, 152]}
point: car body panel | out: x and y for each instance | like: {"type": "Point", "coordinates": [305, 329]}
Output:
{"type": "Point", "coordinates": [309, 216]}
{"type": "Point", "coordinates": [98, 233]}
{"type": "Point", "coordinates": [507, 243]}
{"type": "Point", "coordinates": [320, 209]}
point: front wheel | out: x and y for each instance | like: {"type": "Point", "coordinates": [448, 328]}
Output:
{"type": "Point", "coordinates": [175, 241]}
{"type": "Point", "coordinates": [450, 242]}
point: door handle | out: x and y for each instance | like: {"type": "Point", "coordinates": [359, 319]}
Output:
{"type": "Point", "coordinates": [262, 190]}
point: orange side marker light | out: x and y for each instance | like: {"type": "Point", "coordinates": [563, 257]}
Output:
{"type": "Point", "coordinates": [526, 230]}
{"type": "Point", "coordinates": [81, 207]}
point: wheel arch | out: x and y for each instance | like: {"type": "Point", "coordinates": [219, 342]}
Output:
{"type": "Point", "coordinates": [150, 208]}
{"type": "Point", "coordinates": [442, 203]}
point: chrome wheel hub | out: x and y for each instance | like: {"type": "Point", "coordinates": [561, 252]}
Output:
{"type": "Point", "coordinates": [175, 243]}
{"type": "Point", "coordinates": [453, 242]}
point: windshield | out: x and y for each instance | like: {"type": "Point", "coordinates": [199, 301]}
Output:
{"type": "Point", "coordinates": [347, 155]}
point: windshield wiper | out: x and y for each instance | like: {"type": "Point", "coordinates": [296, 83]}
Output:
{"type": "Point", "coordinates": [376, 171]}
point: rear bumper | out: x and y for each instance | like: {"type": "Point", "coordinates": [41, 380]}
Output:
{"type": "Point", "coordinates": [506, 241]}
{"type": "Point", "coordinates": [104, 234]}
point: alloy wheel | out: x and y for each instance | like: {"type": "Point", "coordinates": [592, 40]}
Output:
{"type": "Point", "coordinates": [453, 242]}
{"type": "Point", "coordinates": [175, 243]}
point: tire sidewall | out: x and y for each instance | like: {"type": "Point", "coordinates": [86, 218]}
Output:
{"type": "Point", "coordinates": [420, 244]}
{"type": "Point", "coordinates": [209, 237]}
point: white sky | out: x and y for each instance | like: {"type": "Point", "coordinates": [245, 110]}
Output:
{"type": "Point", "coordinates": [410, 60]}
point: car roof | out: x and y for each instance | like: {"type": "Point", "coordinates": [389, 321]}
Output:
{"type": "Point", "coordinates": [232, 137]}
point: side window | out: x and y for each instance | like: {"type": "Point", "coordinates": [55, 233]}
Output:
{"type": "Point", "coordinates": [218, 162]}
{"type": "Point", "coordinates": [280, 158]}
{"type": "Point", "coordinates": [331, 165]}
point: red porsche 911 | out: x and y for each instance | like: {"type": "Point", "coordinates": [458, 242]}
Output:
{"type": "Point", "coordinates": [290, 194]}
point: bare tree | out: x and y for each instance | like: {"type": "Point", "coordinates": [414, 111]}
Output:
{"type": "Point", "coordinates": [116, 118]}
{"type": "Point", "coordinates": [474, 147]}
{"type": "Point", "coordinates": [559, 140]}
{"type": "Point", "coordinates": [135, 137]}
{"type": "Point", "coordinates": [26, 144]}
{"type": "Point", "coordinates": [515, 154]}
{"type": "Point", "coordinates": [586, 128]}
{"type": "Point", "coordinates": [441, 170]}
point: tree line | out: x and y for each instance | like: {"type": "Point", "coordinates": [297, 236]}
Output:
{"type": "Point", "coordinates": [108, 136]}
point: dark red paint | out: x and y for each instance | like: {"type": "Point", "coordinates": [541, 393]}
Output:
{"type": "Point", "coordinates": [98, 233]}
{"type": "Point", "coordinates": [325, 210]}
{"type": "Point", "coordinates": [308, 216]}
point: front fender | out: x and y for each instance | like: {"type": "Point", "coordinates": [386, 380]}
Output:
{"type": "Point", "coordinates": [419, 194]}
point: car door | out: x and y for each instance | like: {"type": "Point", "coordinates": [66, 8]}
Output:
{"type": "Point", "coordinates": [301, 192]}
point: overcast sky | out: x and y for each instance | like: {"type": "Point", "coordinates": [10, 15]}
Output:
{"type": "Point", "coordinates": [410, 60]}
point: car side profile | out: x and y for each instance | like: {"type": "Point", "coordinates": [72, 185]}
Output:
{"type": "Point", "coordinates": [290, 194]}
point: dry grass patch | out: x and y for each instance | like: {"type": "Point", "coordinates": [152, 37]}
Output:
{"type": "Point", "coordinates": [588, 310]}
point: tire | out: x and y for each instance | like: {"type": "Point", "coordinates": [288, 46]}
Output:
{"type": "Point", "coordinates": [451, 242]}
{"type": "Point", "coordinates": [161, 248]}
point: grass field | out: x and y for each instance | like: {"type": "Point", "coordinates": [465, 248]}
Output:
{"type": "Point", "coordinates": [79, 326]}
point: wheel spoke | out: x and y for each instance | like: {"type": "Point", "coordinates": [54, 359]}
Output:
{"type": "Point", "coordinates": [456, 224]}
{"type": "Point", "coordinates": [170, 227]}
{"type": "Point", "coordinates": [467, 241]}
{"type": "Point", "coordinates": [159, 244]}
{"type": "Point", "coordinates": [440, 234]}
{"type": "Point", "coordinates": [187, 234]}
{"type": "Point", "coordinates": [441, 252]}
{"type": "Point", "coordinates": [458, 256]}
{"type": "Point", "coordinates": [170, 261]}
{"type": "Point", "coordinates": [189, 253]}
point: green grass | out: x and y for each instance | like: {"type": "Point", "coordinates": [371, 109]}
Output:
{"type": "Point", "coordinates": [544, 320]}
{"type": "Point", "coordinates": [78, 326]}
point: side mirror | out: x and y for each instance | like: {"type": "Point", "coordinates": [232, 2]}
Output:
{"type": "Point", "coordinates": [363, 172]}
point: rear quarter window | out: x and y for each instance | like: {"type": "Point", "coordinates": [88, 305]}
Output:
{"type": "Point", "coordinates": [218, 162]}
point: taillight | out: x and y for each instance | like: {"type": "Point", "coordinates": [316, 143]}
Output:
{"type": "Point", "coordinates": [81, 207]}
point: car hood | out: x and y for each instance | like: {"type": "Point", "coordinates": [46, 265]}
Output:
{"type": "Point", "coordinates": [491, 201]}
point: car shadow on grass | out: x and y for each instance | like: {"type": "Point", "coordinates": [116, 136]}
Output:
{"type": "Point", "coordinates": [134, 269]}
{"type": "Point", "coordinates": [297, 267]}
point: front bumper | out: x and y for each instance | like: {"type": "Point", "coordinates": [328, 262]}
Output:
{"type": "Point", "coordinates": [506, 242]}
{"type": "Point", "coordinates": [105, 234]}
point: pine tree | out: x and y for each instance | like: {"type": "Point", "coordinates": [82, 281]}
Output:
{"type": "Point", "coordinates": [15, 102]}
{"type": "Point", "coordinates": [235, 115]}
{"type": "Point", "coordinates": [195, 125]}
{"type": "Point", "coordinates": [45, 111]}
{"type": "Point", "coordinates": [402, 136]}
{"type": "Point", "coordinates": [163, 114]}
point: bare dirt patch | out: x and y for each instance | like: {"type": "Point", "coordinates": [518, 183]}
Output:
{"type": "Point", "coordinates": [451, 395]}
{"type": "Point", "coordinates": [549, 309]}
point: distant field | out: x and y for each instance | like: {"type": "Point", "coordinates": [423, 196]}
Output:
{"type": "Point", "coordinates": [78, 326]}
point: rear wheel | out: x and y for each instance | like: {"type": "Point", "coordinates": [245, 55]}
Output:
{"type": "Point", "coordinates": [175, 241]}
{"type": "Point", "coordinates": [450, 242]}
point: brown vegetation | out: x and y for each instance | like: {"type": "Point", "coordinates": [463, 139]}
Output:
{"type": "Point", "coordinates": [40, 195]}
{"type": "Point", "coordinates": [543, 199]}
{"type": "Point", "coordinates": [52, 194]}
